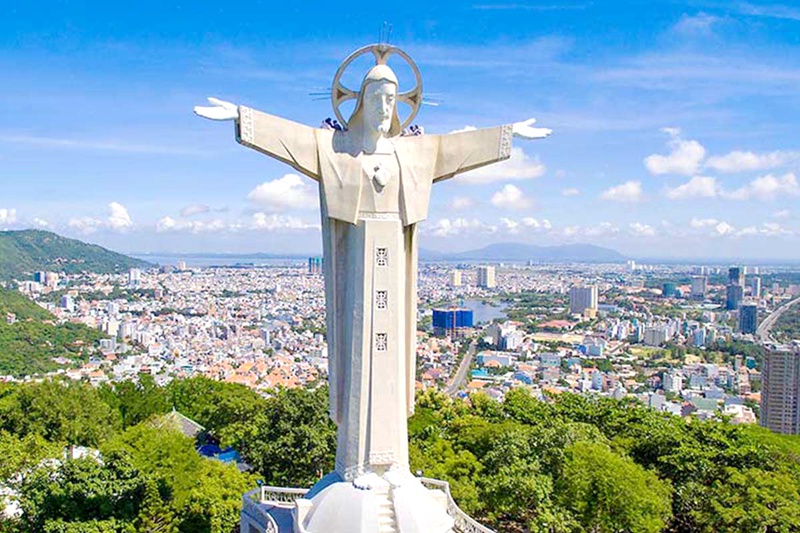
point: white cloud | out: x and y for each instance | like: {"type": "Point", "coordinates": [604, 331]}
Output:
{"type": "Point", "coordinates": [510, 197]}
{"type": "Point", "coordinates": [531, 222]}
{"type": "Point", "coordinates": [697, 187]}
{"type": "Point", "coordinates": [519, 166]}
{"type": "Point", "coordinates": [448, 228]}
{"type": "Point", "coordinates": [749, 161]}
{"type": "Point", "coordinates": [270, 222]}
{"type": "Point", "coordinates": [723, 228]}
{"type": "Point", "coordinates": [118, 220]}
{"type": "Point", "coordinates": [461, 202]}
{"type": "Point", "coordinates": [630, 191]}
{"type": "Point", "coordinates": [703, 222]}
{"type": "Point", "coordinates": [273, 222]}
{"type": "Point", "coordinates": [40, 222]}
{"type": "Point", "coordinates": [570, 191]}
{"type": "Point", "coordinates": [8, 216]}
{"type": "Point", "coordinates": [602, 229]}
{"type": "Point", "coordinates": [699, 24]}
{"type": "Point", "coordinates": [511, 226]}
{"type": "Point", "coordinates": [194, 209]}
{"type": "Point", "coordinates": [684, 157]}
{"type": "Point", "coordinates": [767, 188]}
{"type": "Point", "coordinates": [289, 192]}
{"type": "Point", "coordinates": [641, 230]}
{"type": "Point", "coordinates": [783, 213]}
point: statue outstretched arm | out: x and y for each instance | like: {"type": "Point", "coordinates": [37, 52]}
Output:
{"type": "Point", "coordinates": [467, 150]}
{"type": "Point", "coordinates": [287, 141]}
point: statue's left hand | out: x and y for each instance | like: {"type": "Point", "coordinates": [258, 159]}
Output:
{"type": "Point", "coordinates": [221, 110]}
{"type": "Point", "coordinates": [523, 130]}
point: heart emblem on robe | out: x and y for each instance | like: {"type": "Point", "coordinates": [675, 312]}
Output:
{"type": "Point", "coordinates": [381, 176]}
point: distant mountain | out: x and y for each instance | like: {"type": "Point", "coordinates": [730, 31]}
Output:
{"type": "Point", "coordinates": [568, 253]}
{"type": "Point", "coordinates": [27, 251]}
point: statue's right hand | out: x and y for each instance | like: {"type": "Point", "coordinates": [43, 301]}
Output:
{"type": "Point", "coordinates": [221, 110]}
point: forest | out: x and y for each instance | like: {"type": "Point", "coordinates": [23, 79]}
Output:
{"type": "Point", "coordinates": [566, 464]}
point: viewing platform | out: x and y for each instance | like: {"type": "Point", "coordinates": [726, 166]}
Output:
{"type": "Point", "coordinates": [269, 510]}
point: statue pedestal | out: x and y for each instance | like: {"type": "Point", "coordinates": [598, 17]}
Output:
{"type": "Point", "coordinates": [415, 505]}
{"type": "Point", "coordinates": [372, 504]}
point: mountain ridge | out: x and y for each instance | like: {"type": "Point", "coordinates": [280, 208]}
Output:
{"type": "Point", "coordinates": [23, 252]}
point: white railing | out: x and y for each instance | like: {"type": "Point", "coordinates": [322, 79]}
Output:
{"type": "Point", "coordinates": [256, 512]}
{"type": "Point", "coordinates": [463, 522]}
{"type": "Point", "coordinates": [281, 496]}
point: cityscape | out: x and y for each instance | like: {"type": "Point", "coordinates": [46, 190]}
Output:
{"type": "Point", "coordinates": [679, 339]}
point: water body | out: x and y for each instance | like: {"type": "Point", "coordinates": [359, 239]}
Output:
{"type": "Point", "coordinates": [483, 312]}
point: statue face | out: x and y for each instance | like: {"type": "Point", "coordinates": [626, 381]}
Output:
{"type": "Point", "coordinates": [378, 105]}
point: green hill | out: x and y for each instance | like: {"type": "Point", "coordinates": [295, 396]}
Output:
{"type": "Point", "coordinates": [29, 345]}
{"type": "Point", "coordinates": [27, 251]}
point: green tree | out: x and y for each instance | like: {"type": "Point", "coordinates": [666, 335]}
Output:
{"type": "Point", "coordinates": [609, 493]}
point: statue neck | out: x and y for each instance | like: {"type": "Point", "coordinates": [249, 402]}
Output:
{"type": "Point", "coordinates": [374, 142]}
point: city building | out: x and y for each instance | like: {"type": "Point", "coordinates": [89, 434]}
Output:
{"type": "Point", "coordinates": [748, 318]}
{"type": "Point", "coordinates": [699, 286]}
{"type": "Point", "coordinates": [455, 278]}
{"type": "Point", "coordinates": [669, 290]}
{"type": "Point", "coordinates": [736, 276]}
{"type": "Point", "coordinates": [733, 297]}
{"type": "Point", "coordinates": [134, 277]}
{"type": "Point", "coordinates": [582, 298]}
{"type": "Point", "coordinates": [451, 322]}
{"type": "Point", "coordinates": [314, 265]}
{"type": "Point", "coordinates": [486, 277]}
{"type": "Point", "coordinates": [754, 283]}
{"type": "Point", "coordinates": [780, 394]}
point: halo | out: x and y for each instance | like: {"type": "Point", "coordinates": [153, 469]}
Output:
{"type": "Point", "coordinates": [381, 52]}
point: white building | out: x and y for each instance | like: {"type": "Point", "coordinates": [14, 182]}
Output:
{"type": "Point", "coordinates": [486, 277]}
{"type": "Point", "coordinates": [582, 298]}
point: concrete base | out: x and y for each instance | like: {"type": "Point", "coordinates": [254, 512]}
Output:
{"type": "Point", "coordinates": [372, 504]}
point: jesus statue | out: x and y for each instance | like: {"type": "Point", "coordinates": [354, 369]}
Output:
{"type": "Point", "coordinates": [374, 188]}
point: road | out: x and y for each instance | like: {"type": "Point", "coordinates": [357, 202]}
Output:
{"type": "Point", "coordinates": [763, 329]}
{"type": "Point", "coordinates": [461, 374]}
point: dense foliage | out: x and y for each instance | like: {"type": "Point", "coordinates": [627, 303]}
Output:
{"type": "Point", "coordinates": [29, 345]}
{"type": "Point", "coordinates": [787, 327]}
{"type": "Point", "coordinates": [570, 464]}
{"type": "Point", "coordinates": [24, 252]}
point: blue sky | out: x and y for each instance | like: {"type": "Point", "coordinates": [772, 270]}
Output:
{"type": "Point", "coordinates": [675, 123]}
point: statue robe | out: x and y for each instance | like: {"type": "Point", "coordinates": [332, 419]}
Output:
{"type": "Point", "coordinates": [369, 236]}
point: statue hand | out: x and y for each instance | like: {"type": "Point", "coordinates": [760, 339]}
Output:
{"type": "Point", "coordinates": [221, 110]}
{"type": "Point", "coordinates": [523, 130]}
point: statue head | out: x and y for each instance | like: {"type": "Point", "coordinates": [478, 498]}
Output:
{"type": "Point", "coordinates": [376, 107]}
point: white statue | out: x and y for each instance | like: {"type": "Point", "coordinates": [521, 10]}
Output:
{"type": "Point", "coordinates": [374, 188]}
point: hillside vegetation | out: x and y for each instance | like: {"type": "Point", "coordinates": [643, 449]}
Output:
{"type": "Point", "coordinates": [28, 251]}
{"type": "Point", "coordinates": [568, 465]}
{"type": "Point", "coordinates": [29, 344]}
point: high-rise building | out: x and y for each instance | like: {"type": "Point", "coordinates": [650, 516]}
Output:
{"type": "Point", "coordinates": [736, 276]}
{"type": "Point", "coordinates": [754, 283]}
{"type": "Point", "coordinates": [699, 286]}
{"type": "Point", "coordinates": [486, 277]}
{"type": "Point", "coordinates": [780, 394]}
{"type": "Point", "coordinates": [748, 318]}
{"type": "Point", "coordinates": [733, 297]}
{"type": "Point", "coordinates": [582, 298]}
{"type": "Point", "coordinates": [314, 265]}
{"type": "Point", "coordinates": [451, 322]}
{"type": "Point", "coordinates": [669, 290]}
{"type": "Point", "coordinates": [134, 277]}
{"type": "Point", "coordinates": [455, 278]}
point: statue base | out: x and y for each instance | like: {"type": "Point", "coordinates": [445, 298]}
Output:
{"type": "Point", "coordinates": [373, 503]}
{"type": "Point", "coordinates": [393, 502]}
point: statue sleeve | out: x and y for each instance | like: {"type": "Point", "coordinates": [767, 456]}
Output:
{"type": "Point", "coordinates": [292, 143]}
{"type": "Point", "coordinates": [468, 150]}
